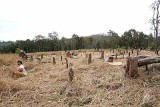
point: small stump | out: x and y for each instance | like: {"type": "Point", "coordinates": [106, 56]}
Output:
{"type": "Point", "coordinates": [54, 61]}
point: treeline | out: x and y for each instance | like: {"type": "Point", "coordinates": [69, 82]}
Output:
{"type": "Point", "coordinates": [131, 39]}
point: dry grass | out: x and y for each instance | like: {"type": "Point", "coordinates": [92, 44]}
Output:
{"type": "Point", "coordinates": [95, 85]}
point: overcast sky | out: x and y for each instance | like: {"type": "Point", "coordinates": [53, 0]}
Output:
{"type": "Point", "coordinates": [23, 19]}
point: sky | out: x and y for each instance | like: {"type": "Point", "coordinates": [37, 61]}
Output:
{"type": "Point", "coordinates": [24, 19]}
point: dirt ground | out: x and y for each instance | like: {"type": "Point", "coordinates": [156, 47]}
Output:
{"type": "Point", "coordinates": [98, 84]}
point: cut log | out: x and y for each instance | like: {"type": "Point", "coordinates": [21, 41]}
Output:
{"type": "Point", "coordinates": [148, 60]}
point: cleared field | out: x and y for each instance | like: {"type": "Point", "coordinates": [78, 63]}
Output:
{"type": "Point", "coordinates": [98, 84]}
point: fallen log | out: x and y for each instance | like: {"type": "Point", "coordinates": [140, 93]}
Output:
{"type": "Point", "coordinates": [148, 60]}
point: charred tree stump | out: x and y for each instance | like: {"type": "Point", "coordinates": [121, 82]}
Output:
{"type": "Point", "coordinates": [71, 75]}
{"type": "Point", "coordinates": [54, 61]}
{"type": "Point", "coordinates": [66, 63]}
{"type": "Point", "coordinates": [89, 58]}
{"type": "Point", "coordinates": [132, 67]}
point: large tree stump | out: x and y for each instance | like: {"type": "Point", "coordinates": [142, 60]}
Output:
{"type": "Point", "coordinates": [71, 75]}
{"type": "Point", "coordinates": [89, 58]}
{"type": "Point", "coordinates": [132, 67]}
{"type": "Point", "coordinates": [54, 60]}
{"type": "Point", "coordinates": [66, 63]}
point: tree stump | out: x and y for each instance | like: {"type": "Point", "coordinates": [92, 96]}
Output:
{"type": "Point", "coordinates": [137, 52]}
{"type": "Point", "coordinates": [102, 54]}
{"type": "Point", "coordinates": [129, 54]}
{"type": "Point", "coordinates": [31, 59]}
{"type": "Point", "coordinates": [132, 51]}
{"type": "Point", "coordinates": [42, 56]}
{"type": "Point", "coordinates": [126, 50]}
{"type": "Point", "coordinates": [113, 51]}
{"type": "Point", "coordinates": [54, 60]}
{"type": "Point", "coordinates": [66, 63]}
{"type": "Point", "coordinates": [123, 55]}
{"type": "Point", "coordinates": [71, 75]}
{"type": "Point", "coordinates": [61, 58]}
{"type": "Point", "coordinates": [116, 56]}
{"type": "Point", "coordinates": [86, 55]}
{"type": "Point", "coordinates": [89, 58]}
{"type": "Point", "coordinates": [132, 67]}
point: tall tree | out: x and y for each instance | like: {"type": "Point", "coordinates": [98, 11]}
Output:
{"type": "Point", "coordinates": [156, 21]}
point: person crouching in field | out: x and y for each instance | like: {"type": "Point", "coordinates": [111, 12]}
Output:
{"type": "Point", "coordinates": [21, 72]}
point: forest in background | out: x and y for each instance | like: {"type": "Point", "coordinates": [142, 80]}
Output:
{"type": "Point", "coordinates": [131, 39]}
